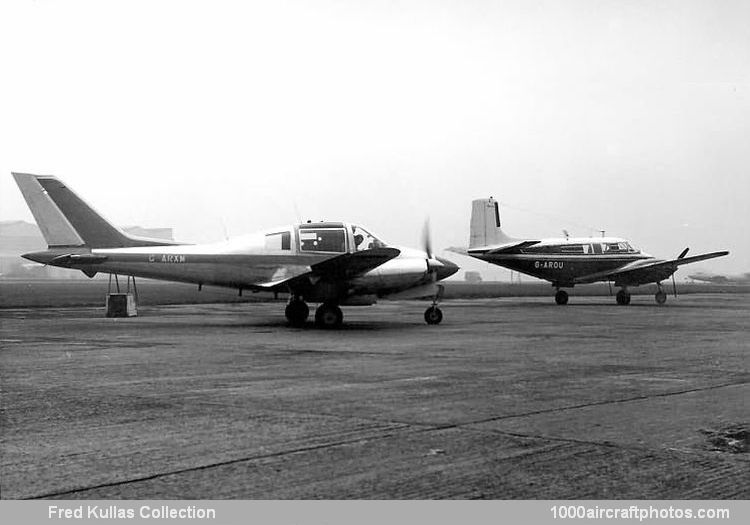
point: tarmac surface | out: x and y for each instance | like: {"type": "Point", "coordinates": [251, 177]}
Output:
{"type": "Point", "coordinates": [508, 398]}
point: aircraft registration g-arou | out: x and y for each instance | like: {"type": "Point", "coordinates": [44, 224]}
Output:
{"type": "Point", "coordinates": [566, 262]}
{"type": "Point", "coordinates": [331, 263]}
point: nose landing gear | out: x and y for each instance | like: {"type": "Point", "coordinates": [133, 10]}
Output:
{"type": "Point", "coordinates": [433, 315]}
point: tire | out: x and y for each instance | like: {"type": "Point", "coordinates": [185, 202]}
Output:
{"type": "Point", "coordinates": [660, 297]}
{"type": "Point", "coordinates": [328, 316]}
{"type": "Point", "coordinates": [433, 315]}
{"type": "Point", "coordinates": [561, 297]}
{"type": "Point", "coordinates": [297, 312]}
{"type": "Point", "coordinates": [622, 298]}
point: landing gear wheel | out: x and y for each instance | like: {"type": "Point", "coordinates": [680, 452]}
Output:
{"type": "Point", "coordinates": [296, 312]}
{"type": "Point", "coordinates": [622, 297]}
{"type": "Point", "coordinates": [328, 316]}
{"type": "Point", "coordinates": [433, 315]}
{"type": "Point", "coordinates": [661, 297]}
{"type": "Point", "coordinates": [561, 297]}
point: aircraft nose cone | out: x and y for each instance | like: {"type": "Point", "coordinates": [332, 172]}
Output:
{"type": "Point", "coordinates": [447, 269]}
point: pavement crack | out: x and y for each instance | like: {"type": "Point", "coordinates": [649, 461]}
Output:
{"type": "Point", "coordinates": [158, 475]}
{"type": "Point", "coordinates": [599, 403]}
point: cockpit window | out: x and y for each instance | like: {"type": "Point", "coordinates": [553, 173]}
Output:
{"type": "Point", "coordinates": [322, 240]}
{"type": "Point", "coordinates": [278, 241]}
{"type": "Point", "coordinates": [364, 240]}
{"type": "Point", "coordinates": [618, 247]}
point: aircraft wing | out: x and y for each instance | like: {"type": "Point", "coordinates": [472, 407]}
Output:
{"type": "Point", "coordinates": [341, 267]}
{"type": "Point", "coordinates": [646, 271]}
{"type": "Point", "coordinates": [502, 248]}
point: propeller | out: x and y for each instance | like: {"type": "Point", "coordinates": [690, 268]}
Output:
{"type": "Point", "coordinates": [426, 240]}
{"type": "Point", "coordinates": [674, 284]}
{"type": "Point", "coordinates": [427, 243]}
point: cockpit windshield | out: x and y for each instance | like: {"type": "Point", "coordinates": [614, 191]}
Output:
{"type": "Point", "coordinates": [364, 240]}
{"type": "Point", "coordinates": [618, 247]}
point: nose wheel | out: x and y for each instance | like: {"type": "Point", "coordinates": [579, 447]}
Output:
{"type": "Point", "coordinates": [296, 312]}
{"type": "Point", "coordinates": [622, 297]}
{"type": "Point", "coordinates": [328, 315]}
{"type": "Point", "coordinates": [561, 297]}
{"type": "Point", "coordinates": [433, 315]}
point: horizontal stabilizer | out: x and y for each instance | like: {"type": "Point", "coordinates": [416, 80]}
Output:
{"type": "Point", "coordinates": [74, 259]}
{"type": "Point", "coordinates": [502, 248]}
{"type": "Point", "coordinates": [461, 250]}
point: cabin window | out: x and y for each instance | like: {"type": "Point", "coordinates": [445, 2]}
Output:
{"type": "Point", "coordinates": [322, 240]}
{"type": "Point", "coordinates": [573, 249]}
{"type": "Point", "coordinates": [279, 241]}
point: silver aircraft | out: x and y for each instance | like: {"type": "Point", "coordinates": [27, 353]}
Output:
{"type": "Point", "coordinates": [568, 261]}
{"type": "Point", "coordinates": [331, 263]}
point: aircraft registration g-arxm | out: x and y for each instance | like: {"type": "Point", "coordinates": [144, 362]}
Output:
{"type": "Point", "coordinates": [566, 262]}
{"type": "Point", "coordinates": [332, 263]}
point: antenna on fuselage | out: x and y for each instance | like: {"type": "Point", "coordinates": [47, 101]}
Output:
{"type": "Point", "coordinates": [602, 232]}
{"type": "Point", "coordinates": [296, 212]}
{"type": "Point", "coordinates": [567, 235]}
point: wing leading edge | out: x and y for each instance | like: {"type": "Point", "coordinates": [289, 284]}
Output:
{"type": "Point", "coordinates": [342, 267]}
{"type": "Point", "coordinates": [641, 272]}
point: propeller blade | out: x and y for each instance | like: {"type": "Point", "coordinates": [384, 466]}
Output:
{"type": "Point", "coordinates": [674, 285]}
{"type": "Point", "coordinates": [683, 254]}
{"type": "Point", "coordinates": [427, 243]}
{"type": "Point", "coordinates": [426, 240]}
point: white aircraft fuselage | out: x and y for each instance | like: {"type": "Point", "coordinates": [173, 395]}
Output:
{"type": "Point", "coordinates": [334, 263]}
{"type": "Point", "coordinates": [249, 262]}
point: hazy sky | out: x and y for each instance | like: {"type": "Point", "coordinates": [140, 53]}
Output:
{"type": "Point", "coordinates": [208, 116]}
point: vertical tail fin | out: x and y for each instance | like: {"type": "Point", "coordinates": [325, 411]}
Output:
{"type": "Point", "coordinates": [66, 220]}
{"type": "Point", "coordinates": [56, 229]}
{"type": "Point", "coordinates": [485, 224]}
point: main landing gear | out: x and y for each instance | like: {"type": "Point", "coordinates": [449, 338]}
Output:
{"type": "Point", "coordinates": [623, 297]}
{"type": "Point", "coordinates": [297, 311]}
{"type": "Point", "coordinates": [661, 295]}
{"type": "Point", "coordinates": [561, 297]}
{"type": "Point", "coordinates": [433, 315]}
{"type": "Point", "coordinates": [328, 315]}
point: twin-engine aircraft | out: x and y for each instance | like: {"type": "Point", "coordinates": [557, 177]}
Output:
{"type": "Point", "coordinates": [566, 262]}
{"type": "Point", "coordinates": [331, 263]}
